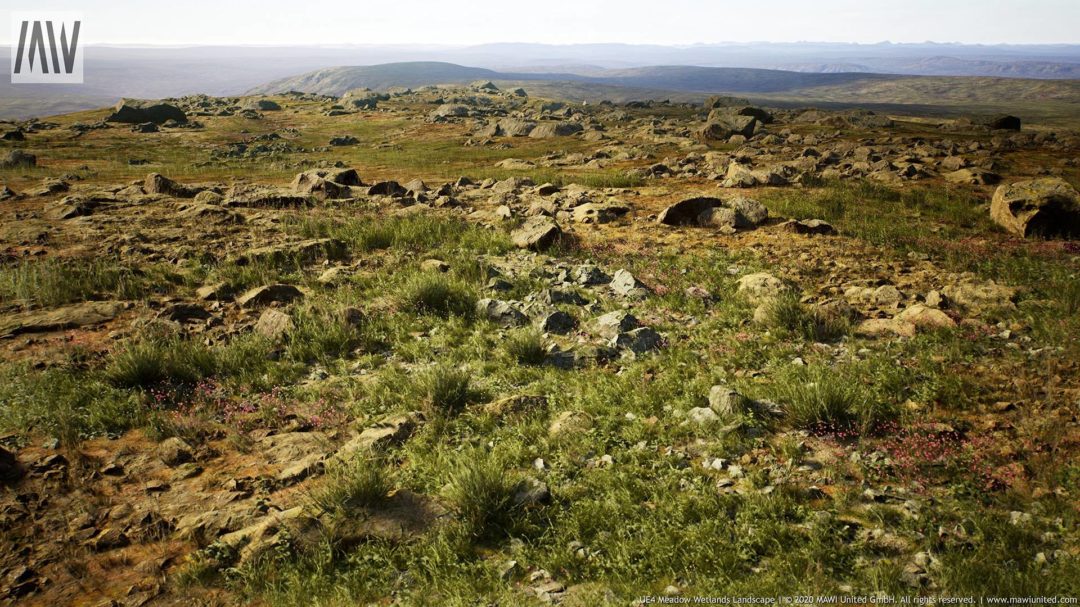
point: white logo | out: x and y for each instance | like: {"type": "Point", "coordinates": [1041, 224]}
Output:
{"type": "Point", "coordinates": [46, 47]}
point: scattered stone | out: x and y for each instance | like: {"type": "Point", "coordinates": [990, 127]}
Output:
{"type": "Point", "coordinates": [978, 297]}
{"type": "Point", "coordinates": [531, 493]}
{"type": "Point", "coordinates": [557, 322]}
{"type": "Point", "coordinates": [434, 265]}
{"type": "Point", "coordinates": [687, 212]}
{"type": "Point", "coordinates": [569, 423]}
{"type": "Point", "coordinates": [589, 275]}
{"type": "Point", "coordinates": [599, 213]}
{"type": "Point", "coordinates": [343, 140]}
{"type": "Point", "coordinates": [624, 283]}
{"type": "Point", "coordinates": [702, 415]}
{"type": "Point", "coordinates": [972, 176]}
{"type": "Point", "coordinates": [925, 317]}
{"type": "Point", "coordinates": [267, 294]}
{"type": "Point", "coordinates": [174, 451]}
{"type": "Point", "coordinates": [761, 287]}
{"type": "Point", "coordinates": [638, 341]}
{"type": "Point", "coordinates": [727, 402]}
{"type": "Point", "coordinates": [388, 432]}
{"type": "Point", "coordinates": [220, 291]}
{"type": "Point", "coordinates": [749, 213]}
{"type": "Point", "coordinates": [274, 324]}
{"type": "Point", "coordinates": [502, 313]}
{"type": "Point", "coordinates": [612, 324]}
{"type": "Point", "coordinates": [812, 227]}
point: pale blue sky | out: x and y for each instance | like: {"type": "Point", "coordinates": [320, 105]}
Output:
{"type": "Point", "coordinates": [566, 21]}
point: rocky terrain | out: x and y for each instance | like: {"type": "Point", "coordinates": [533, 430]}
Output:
{"type": "Point", "coordinates": [459, 345]}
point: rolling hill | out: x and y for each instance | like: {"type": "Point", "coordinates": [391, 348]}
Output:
{"type": "Point", "coordinates": [1051, 101]}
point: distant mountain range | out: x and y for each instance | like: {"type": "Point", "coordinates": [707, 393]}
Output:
{"type": "Point", "coordinates": [336, 81]}
{"type": "Point", "coordinates": [1048, 100]}
{"type": "Point", "coordinates": [113, 72]}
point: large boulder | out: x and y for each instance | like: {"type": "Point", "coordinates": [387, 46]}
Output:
{"type": "Point", "coordinates": [537, 233]}
{"type": "Point", "coordinates": [555, 129]}
{"type": "Point", "coordinates": [18, 159]}
{"type": "Point", "coordinates": [509, 127]}
{"type": "Point", "coordinates": [739, 212]}
{"type": "Point", "coordinates": [721, 128]}
{"type": "Point", "coordinates": [999, 122]}
{"type": "Point", "coordinates": [262, 105]}
{"type": "Point", "coordinates": [156, 183]}
{"type": "Point", "coordinates": [727, 113]}
{"type": "Point", "coordinates": [687, 212]}
{"type": "Point", "coordinates": [1047, 207]}
{"type": "Point", "coordinates": [327, 183]}
{"type": "Point", "coordinates": [450, 111]}
{"type": "Point", "coordinates": [134, 111]}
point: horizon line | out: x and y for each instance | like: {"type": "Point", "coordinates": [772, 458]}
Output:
{"type": "Point", "coordinates": [421, 45]}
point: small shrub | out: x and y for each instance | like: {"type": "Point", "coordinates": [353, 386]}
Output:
{"type": "Point", "coordinates": [65, 403]}
{"type": "Point", "coordinates": [482, 494]}
{"type": "Point", "coordinates": [54, 282]}
{"type": "Point", "coordinates": [446, 391]}
{"type": "Point", "coordinates": [824, 399]}
{"type": "Point", "coordinates": [526, 347]}
{"type": "Point", "coordinates": [151, 361]}
{"type": "Point", "coordinates": [320, 334]}
{"type": "Point", "coordinates": [359, 482]}
{"type": "Point", "coordinates": [788, 315]}
{"type": "Point", "coordinates": [438, 295]}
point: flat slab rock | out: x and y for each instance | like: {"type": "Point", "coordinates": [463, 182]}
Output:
{"type": "Point", "coordinates": [60, 319]}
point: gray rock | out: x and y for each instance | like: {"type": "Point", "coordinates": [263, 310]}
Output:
{"type": "Point", "coordinates": [610, 325]}
{"type": "Point", "coordinates": [343, 140]}
{"type": "Point", "coordinates": [220, 291]}
{"type": "Point", "coordinates": [638, 341]}
{"type": "Point", "coordinates": [557, 295]}
{"type": "Point", "coordinates": [134, 111]}
{"type": "Point", "coordinates": [537, 233]}
{"type": "Point", "coordinates": [761, 287]}
{"type": "Point", "coordinates": [702, 415]}
{"type": "Point", "coordinates": [568, 423]}
{"type": "Point", "coordinates": [810, 227]}
{"type": "Point", "coordinates": [727, 402]}
{"type": "Point", "coordinates": [588, 275]}
{"type": "Point", "coordinates": [531, 493]}
{"type": "Point", "coordinates": [687, 212]}
{"type": "Point", "coordinates": [557, 322]}
{"type": "Point", "coordinates": [156, 183]}
{"type": "Point", "coordinates": [390, 431]}
{"type": "Point", "coordinates": [502, 313]}
{"type": "Point", "coordinates": [624, 283]}
{"type": "Point", "coordinates": [749, 213]}
{"type": "Point", "coordinates": [1047, 207]}
{"type": "Point", "coordinates": [545, 130]}
{"type": "Point", "coordinates": [273, 324]}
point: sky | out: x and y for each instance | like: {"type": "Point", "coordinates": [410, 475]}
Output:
{"type": "Point", "coordinates": [467, 22]}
